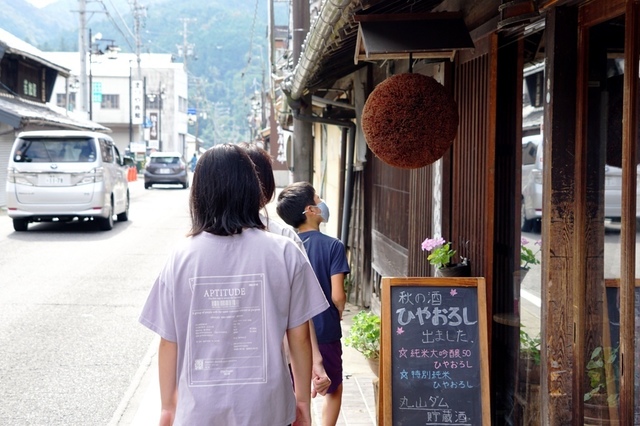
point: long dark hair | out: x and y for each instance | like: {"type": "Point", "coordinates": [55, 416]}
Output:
{"type": "Point", "coordinates": [226, 195]}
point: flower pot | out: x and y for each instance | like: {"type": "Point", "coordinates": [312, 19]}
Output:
{"type": "Point", "coordinates": [374, 364]}
{"type": "Point", "coordinates": [528, 372]}
{"type": "Point", "coordinates": [459, 270]}
{"type": "Point", "coordinates": [598, 412]}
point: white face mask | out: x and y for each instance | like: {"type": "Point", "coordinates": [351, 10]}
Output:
{"type": "Point", "coordinates": [324, 210]}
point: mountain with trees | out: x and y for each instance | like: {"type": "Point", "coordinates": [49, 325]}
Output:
{"type": "Point", "coordinates": [225, 49]}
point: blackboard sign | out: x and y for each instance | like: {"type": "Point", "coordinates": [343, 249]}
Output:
{"type": "Point", "coordinates": [434, 344]}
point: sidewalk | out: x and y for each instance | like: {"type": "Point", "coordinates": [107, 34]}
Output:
{"type": "Point", "coordinates": [358, 403]}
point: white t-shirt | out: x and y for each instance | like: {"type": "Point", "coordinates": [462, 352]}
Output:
{"type": "Point", "coordinates": [227, 302]}
{"type": "Point", "coordinates": [280, 228]}
{"type": "Point", "coordinates": [283, 229]}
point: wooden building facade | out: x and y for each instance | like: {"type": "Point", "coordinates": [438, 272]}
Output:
{"type": "Point", "coordinates": [588, 287]}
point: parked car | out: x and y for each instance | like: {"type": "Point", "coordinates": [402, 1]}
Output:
{"type": "Point", "coordinates": [166, 168]}
{"type": "Point", "coordinates": [532, 162]}
{"type": "Point", "coordinates": [62, 175]}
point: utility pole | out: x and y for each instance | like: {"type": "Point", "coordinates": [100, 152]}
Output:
{"type": "Point", "coordinates": [82, 50]}
{"type": "Point", "coordinates": [302, 130]}
{"type": "Point", "coordinates": [186, 49]}
{"type": "Point", "coordinates": [138, 13]}
{"type": "Point", "coordinates": [199, 114]}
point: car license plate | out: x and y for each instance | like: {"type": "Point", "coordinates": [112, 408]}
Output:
{"type": "Point", "coordinates": [164, 171]}
{"type": "Point", "coordinates": [54, 180]}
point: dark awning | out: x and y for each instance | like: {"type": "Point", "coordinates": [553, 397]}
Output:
{"type": "Point", "coordinates": [328, 52]}
{"type": "Point", "coordinates": [419, 35]}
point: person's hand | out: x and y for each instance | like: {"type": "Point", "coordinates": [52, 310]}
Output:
{"type": "Point", "coordinates": [303, 414]}
{"type": "Point", "coordinates": [319, 380]}
{"type": "Point", "coordinates": [320, 386]}
{"type": "Point", "coordinates": [166, 418]}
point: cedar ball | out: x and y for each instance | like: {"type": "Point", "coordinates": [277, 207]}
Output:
{"type": "Point", "coordinates": [409, 120]}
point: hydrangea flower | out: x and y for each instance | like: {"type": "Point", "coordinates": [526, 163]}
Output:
{"type": "Point", "coordinates": [441, 252]}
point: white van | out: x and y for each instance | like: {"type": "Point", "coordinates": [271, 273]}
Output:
{"type": "Point", "coordinates": [532, 163]}
{"type": "Point", "coordinates": [61, 175]}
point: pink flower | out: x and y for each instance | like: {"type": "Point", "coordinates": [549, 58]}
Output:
{"type": "Point", "coordinates": [431, 243]}
{"type": "Point", "coordinates": [523, 241]}
{"type": "Point", "coordinates": [441, 252]}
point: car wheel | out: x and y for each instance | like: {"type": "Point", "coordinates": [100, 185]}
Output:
{"type": "Point", "coordinates": [20, 225]}
{"type": "Point", "coordinates": [147, 185]}
{"type": "Point", "coordinates": [106, 223]}
{"type": "Point", "coordinates": [124, 216]}
{"type": "Point", "coordinates": [526, 225]}
{"type": "Point", "coordinates": [185, 185]}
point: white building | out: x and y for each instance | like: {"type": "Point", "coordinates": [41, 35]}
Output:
{"type": "Point", "coordinates": [116, 102]}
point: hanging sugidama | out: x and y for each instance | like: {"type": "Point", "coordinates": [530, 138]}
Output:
{"type": "Point", "coordinates": [409, 120]}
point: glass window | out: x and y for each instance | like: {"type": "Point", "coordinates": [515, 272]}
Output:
{"type": "Point", "coordinates": [603, 177]}
{"type": "Point", "coordinates": [29, 81]}
{"type": "Point", "coordinates": [110, 102]}
{"type": "Point", "coordinates": [47, 150]}
{"type": "Point", "coordinates": [107, 151]}
{"type": "Point", "coordinates": [529, 150]}
{"type": "Point", "coordinates": [118, 157]}
{"type": "Point", "coordinates": [165, 160]}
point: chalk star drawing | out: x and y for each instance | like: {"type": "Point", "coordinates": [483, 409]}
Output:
{"type": "Point", "coordinates": [400, 330]}
{"type": "Point", "coordinates": [453, 292]}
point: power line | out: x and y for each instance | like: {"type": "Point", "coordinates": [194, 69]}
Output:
{"type": "Point", "coordinates": [122, 19]}
{"type": "Point", "coordinates": [117, 27]}
{"type": "Point", "coordinates": [251, 34]}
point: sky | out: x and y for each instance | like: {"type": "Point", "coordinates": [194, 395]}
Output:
{"type": "Point", "coordinates": [41, 3]}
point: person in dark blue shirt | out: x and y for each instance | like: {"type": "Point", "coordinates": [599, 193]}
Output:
{"type": "Point", "coordinates": [300, 207]}
{"type": "Point", "coordinates": [193, 162]}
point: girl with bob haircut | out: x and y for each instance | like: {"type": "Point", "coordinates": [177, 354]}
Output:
{"type": "Point", "coordinates": [226, 195]}
{"type": "Point", "coordinates": [225, 299]}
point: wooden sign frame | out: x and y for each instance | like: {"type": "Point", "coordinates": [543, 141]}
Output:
{"type": "Point", "coordinates": [385, 408]}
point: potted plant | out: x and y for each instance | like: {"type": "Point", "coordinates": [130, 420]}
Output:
{"type": "Point", "coordinates": [528, 257]}
{"type": "Point", "coordinates": [529, 358]}
{"type": "Point", "coordinates": [529, 378]}
{"type": "Point", "coordinates": [601, 401]}
{"type": "Point", "coordinates": [364, 336]}
{"type": "Point", "coordinates": [440, 257]}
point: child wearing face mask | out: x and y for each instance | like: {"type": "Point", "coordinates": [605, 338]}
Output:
{"type": "Point", "coordinates": [300, 207]}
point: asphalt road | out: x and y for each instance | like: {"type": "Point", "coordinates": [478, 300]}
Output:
{"type": "Point", "coordinates": [71, 348]}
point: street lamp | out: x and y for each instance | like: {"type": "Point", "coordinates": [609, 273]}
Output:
{"type": "Point", "coordinates": [111, 50]}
